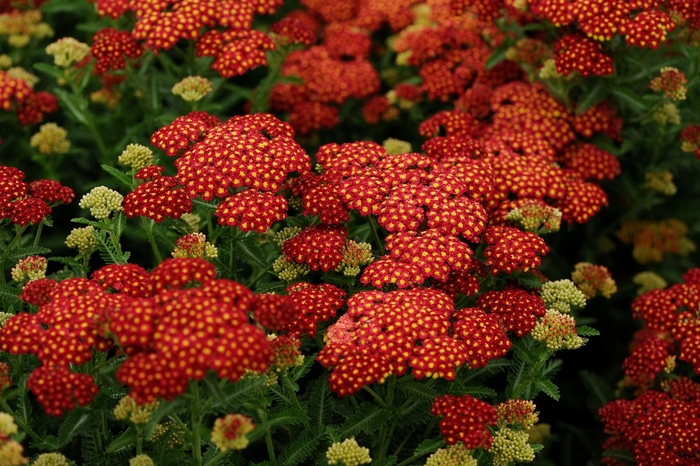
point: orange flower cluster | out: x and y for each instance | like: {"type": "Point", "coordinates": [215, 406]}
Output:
{"type": "Point", "coordinates": [651, 240]}
{"type": "Point", "coordinates": [28, 203]}
{"type": "Point", "coordinates": [174, 324]}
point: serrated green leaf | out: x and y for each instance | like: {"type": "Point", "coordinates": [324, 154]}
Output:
{"type": "Point", "coordinates": [125, 440]}
{"type": "Point", "coordinates": [429, 446]}
{"type": "Point", "coordinates": [271, 287]}
{"type": "Point", "coordinates": [289, 417]}
{"type": "Point", "coordinates": [338, 279]}
{"type": "Point", "coordinates": [75, 423]}
{"type": "Point", "coordinates": [388, 461]}
{"type": "Point", "coordinates": [548, 387]}
{"type": "Point", "coordinates": [118, 175]}
{"type": "Point", "coordinates": [619, 454]}
{"type": "Point", "coordinates": [496, 57]}
{"type": "Point", "coordinates": [536, 447]}
{"type": "Point", "coordinates": [75, 107]}
{"type": "Point", "coordinates": [586, 331]}
{"type": "Point", "coordinates": [9, 294]}
{"type": "Point", "coordinates": [242, 391]}
{"type": "Point", "coordinates": [19, 253]}
{"type": "Point", "coordinates": [321, 402]}
{"type": "Point", "coordinates": [107, 250]}
{"type": "Point", "coordinates": [84, 221]}
{"type": "Point", "coordinates": [591, 98]}
{"type": "Point", "coordinates": [51, 70]}
{"type": "Point", "coordinates": [303, 447]}
{"type": "Point", "coordinates": [296, 373]}
{"type": "Point", "coordinates": [367, 418]}
{"type": "Point", "coordinates": [631, 100]}
{"type": "Point", "coordinates": [601, 391]}
{"type": "Point", "coordinates": [478, 391]}
{"type": "Point", "coordinates": [249, 251]}
{"type": "Point", "coordinates": [525, 350]}
{"type": "Point", "coordinates": [416, 389]}
{"type": "Point", "coordinates": [70, 261]}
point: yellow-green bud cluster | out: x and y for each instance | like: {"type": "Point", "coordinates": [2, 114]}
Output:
{"type": "Point", "coordinates": [101, 201]}
{"type": "Point", "coordinates": [557, 331]}
{"type": "Point", "coordinates": [136, 156]}
{"type": "Point", "coordinates": [141, 460]}
{"type": "Point", "coordinates": [511, 446]}
{"type": "Point", "coordinates": [7, 425]}
{"type": "Point", "coordinates": [349, 452]}
{"type": "Point", "coordinates": [562, 296]}
{"type": "Point", "coordinates": [453, 455]}
{"type": "Point", "coordinates": [11, 454]}
{"type": "Point", "coordinates": [284, 234]}
{"type": "Point", "coordinates": [396, 146]}
{"type": "Point", "coordinates": [67, 51]}
{"type": "Point", "coordinates": [536, 218]}
{"type": "Point", "coordinates": [289, 270]}
{"type": "Point", "coordinates": [355, 255]}
{"type": "Point", "coordinates": [549, 70]}
{"type": "Point", "coordinates": [516, 412]}
{"type": "Point", "coordinates": [21, 26]}
{"type": "Point", "coordinates": [173, 431]}
{"type": "Point", "coordinates": [5, 61]}
{"type": "Point", "coordinates": [127, 408]}
{"type": "Point", "coordinates": [229, 432]}
{"type": "Point", "coordinates": [667, 114]}
{"type": "Point", "coordinates": [193, 88]}
{"type": "Point", "coordinates": [4, 317]}
{"type": "Point", "coordinates": [51, 139]}
{"type": "Point", "coordinates": [661, 181]}
{"type": "Point", "coordinates": [107, 96]}
{"type": "Point", "coordinates": [82, 239]}
{"type": "Point", "coordinates": [51, 459]}
{"type": "Point", "coordinates": [193, 221]}
{"type": "Point", "coordinates": [20, 73]}
{"type": "Point", "coordinates": [648, 281]}
{"type": "Point", "coordinates": [29, 268]}
{"type": "Point", "coordinates": [195, 245]}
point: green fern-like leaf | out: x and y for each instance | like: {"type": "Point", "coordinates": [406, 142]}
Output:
{"type": "Point", "coordinates": [388, 461]}
{"type": "Point", "coordinates": [118, 175]}
{"type": "Point", "coordinates": [548, 387]}
{"type": "Point", "coordinates": [477, 391]}
{"type": "Point", "coordinates": [296, 373]}
{"type": "Point", "coordinates": [368, 418]}
{"type": "Point", "coordinates": [321, 402]}
{"type": "Point", "coordinates": [418, 390]}
{"type": "Point", "coordinates": [429, 446]}
{"type": "Point", "coordinates": [248, 250]}
{"type": "Point", "coordinates": [9, 294]}
{"type": "Point", "coordinates": [77, 422]}
{"type": "Point", "coordinates": [19, 253]}
{"type": "Point", "coordinates": [303, 447]}
{"type": "Point", "coordinates": [108, 252]}
{"type": "Point", "coordinates": [586, 331]}
{"type": "Point", "coordinates": [601, 392]}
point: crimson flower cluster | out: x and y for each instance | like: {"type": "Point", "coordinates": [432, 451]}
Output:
{"type": "Point", "coordinates": [31, 106]}
{"type": "Point", "coordinates": [25, 203]}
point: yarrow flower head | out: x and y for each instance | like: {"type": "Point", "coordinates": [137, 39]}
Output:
{"type": "Point", "coordinates": [229, 432]}
{"type": "Point", "coordinates": [348, 452]}
{"type": "Point", "coordinates": [535, 216]}
{"type": "Point", "coordinates": [593, 280]}
{"type": "Point", "coordinates": [101, 201]}
{"type": "Point", "coordinates": [671, 82]}
{"type": "Point", "coordinates": [510, 446]}
{"type": "Point", "coordinates": [562, 296]}
{"type": "Point", "coordinates": [667, 114]}
{"type": "Point", "coordinates": [141, 460]}
{"type": "Point", "coordinates": [51, 459]}
{"type": "Point", "coordinates": [7, 425]}
{"type": "Point", "coordinates": [127, 408]}
{"type": "Point", "coordinates": [648, 281]}
{"type": "Point", "coordinates": [82, 239]}
{"type": "Point", "coordinates": [30, 268]}
{"type": "Point", "coordinates": [50, 140]}
{"type": "Point", "coordinates": [517, 412]}
{"type": "Point", "coordinates": [453, 455]}
{"type": "Point", "coordinates": [67, 51]}
{"type": "Point", "coordinates": [195, 245]}
{"type": "Point", "coordinates": [557, 331]}
{"type": "Point", "coordinates": [193, 88]}
{"type": "Point", "coordinates": [136, 156]}
{"type": "Point", "coordinates": [465, 419]}
{"type": "Point", "coordinates": [661, 182]}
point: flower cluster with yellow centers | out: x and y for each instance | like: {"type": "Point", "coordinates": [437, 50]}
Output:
{"type": "Point", "coordinates": [536, 217]}
{"type": "Point", "coordinates": [672, 82]}
{"type": "Point", "coordinates": [648, 281]}
{"type": "Point", "coordinates": [593, 280]}
{"type": "Point", "coordinates": [5, 61]}
{"type": "Point", "coordinates": [453, 455]}
{"type": "Point", "coordinates": [229, 432]}
{"type": "Point", "coordinates": [67, 51]}
{"type": "Point", "coordinates": [511, 446]}
{"type": "Point", "coordinates": [562, 296]}
{"type": "Point", "coordinates": [355, 255]}
{"type": "Point", "coordinates": [127, 408]}
{"type": "Point", "coordinates": [51, 459]}
{"type": "Point", "coordinates": [289, 270]}
{"type": "Point", "coordinates": [50, 140]}
{"type": "Point", "coordinates": [660, 181]}
{"type": "Point", "coordinates": [349, 452]}
{"type": "Point", "coordinates": [29, 268]}
{"type": "Point", "coordinates": [284, 234]}
{"type": "Point", "coordinates": [82, 239]}
{"type": "Point", "coordinates": [667, 114]}
{"type": "Point", "coordinates": [557, 331]}
{"type": "Point", "coordinates": [141, 460]}
{"type": "Point", "coordinates": [396, 146]}
{"type": "Point", "coordinates": [517, 413]}
{"type": "Point", "coordinates": [193, 88]}
{"type": "Point", "coordinates": [195, 245]}
{"type": "Point", "coordinates": [10, 450]}
{"type": "Point", "coordinates": [136, 157]}
{"type": "Point", "coordinates": [101, 201]}
{"type": "Point", "coordinates": [107, 96]}
{"type": "Point", "coordinates": [21, 27]}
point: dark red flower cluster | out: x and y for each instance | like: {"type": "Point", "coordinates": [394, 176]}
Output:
{"type": "Point", "coordinates": [28, 203]}
{"type": "Point", "coordinates": [18, 95]}
{"type": "Point", "coordinates": [156, 199]}
{"type": "Point", "coordinates": [315, 304]}
{"type": "Point", "coordinates": [465, 419]}
{"type": "Point", "coordinates": [320, 247]}
{"type": "Point", "coordinates": [510, 249]}
{"type": "Point", "coordinates": [656, 427]}
{"type": "Point", "coordinates": [111, 48]}
{"type": "Point", "coordinates": [235, 51]}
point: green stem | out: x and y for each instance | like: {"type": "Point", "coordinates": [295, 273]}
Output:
{"type": "Point", "coordinates": [23, 425]}
{"type": "Point", "coordinates": [139, 439]}
{"type": "Point", "coordinates": [262, 92]}
{"type": "Point", "coordinates": [409, 460]}
{"type": "Point", "coordinates": [37, 237]}
{"type": "Point", "coordinates": [374, 226]}
{"type": "Point", "coordinates": [268, 438]}
{"type": "Point", "coordinates": [148, 228]}
{"type": "Point", "coordinates": [260, 275]}
{"type": "Point", "coordinates": [18, 235]}
{"type": "Point", "coordinates": [196, 440]}
{"type": "Point", "coordinates": [375, 396]}
{"type": "Point", "coordinates": [288, 385]}
{"type": "Point", "coordinates": [215, 460]}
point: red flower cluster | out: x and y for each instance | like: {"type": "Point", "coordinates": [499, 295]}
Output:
{"type": "Point", "coordinates": [30, 106]}
{"type": "Point", "coordinates": [465, 419]}
{"type": "Point", "coordinates": [656, 427]}
{"type": "Point", "coordinates": [157, 199]}
{"type": "Point", "coordinates": [24, 203]}
{"type": "Point", "coordinates": [510, 249]}
{"type": "Point", "coordinates": [515, 308]}
{"type": "Point", "coordinates": [110, 47]}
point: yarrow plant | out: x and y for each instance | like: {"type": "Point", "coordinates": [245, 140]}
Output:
{"type": "Point", "coordinates": [350, 232]}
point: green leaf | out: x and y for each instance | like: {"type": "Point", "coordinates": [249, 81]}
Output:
{"type": "Point", "coordinates": [601, 391]}
{"type": "Point", "coordinates": [620, 454]}
{"type": "Point", "coordinates": [321, 402]}
{"type": "Point", "coordinates": [338, 279]}
{"type": "Point", "coordinates": [19, 253]}
{"type": "Point", "coordinates": [84, 221]}
{"type": "Point", "coordinates": [525, 350]}
{"type": "Point", "coordinates": [414, 389]}
{"type": "Point", "coordinates": [76, 108]}
{"type": "Point", "coordinates": [289, 417]}
{"type": "Point", "coordinates": [477, 391]}
{"type": "Point", "coordinates": [586, 331]}
{"type": "Point", "coordinates": [631, 100]}
{"type": "Point", "coordinates": [125, 440]}
{"type": "Point", "coordinates": [536, 447]}
{"type": "Point", "coordinates": [429, 446]}
{"type": "Point", "coordinates": [244, 390]}
{"type": "Point", "coordinates": [496, 57]}
{"type": "Point", "coordinates": [119, 175]}
{"type": "Point", "coordinates": [388, 461]}
{"type": "Point", "coordinates": [548, 387]}
{"type": "Point", "coordinates": [249, 251]}
{"type": "Point", "coordinates": [303, 447]}
{"type": "Point", "coordinates": [296, 373]}
{"type": "Point", "coordinates": [9, 294]}
{"type": "Point", "coordinates": [591, 98]}
{"type": "Point", "coordinates": [367, 418]}
{"type": "Point", "coordinates": [51, 70]}
{"type": "Point", "coordinates": [119, 223]}
{"type": "Point", "coordinates": [69, 261]}
{"type": "Point", "coordinates": [108, 252]}
{"type": "Point", "coordinates": [75, 423]}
